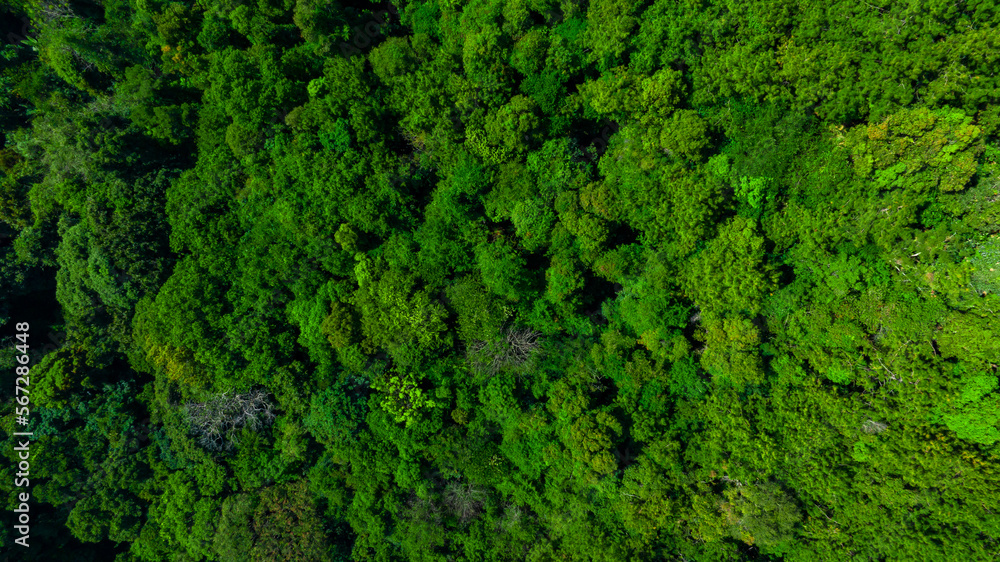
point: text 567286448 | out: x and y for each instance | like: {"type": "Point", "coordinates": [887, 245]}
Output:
{"type": "Point", "coordinates": [22, 513]}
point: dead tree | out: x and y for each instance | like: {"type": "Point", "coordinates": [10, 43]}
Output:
{"type": "Point", "coordinates": [217, 421]}
{"type": "Point", "coordinates": [464, 499]}
{"type": "Point", "coordinates": [55, 10]}
{"type": "Point", "coordinates": [514, 347]}
{"type": "Point", "coordinates": [872, 426]}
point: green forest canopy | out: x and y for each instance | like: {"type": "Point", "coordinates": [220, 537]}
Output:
{"type": "Point", "coordinates": [504, 279]}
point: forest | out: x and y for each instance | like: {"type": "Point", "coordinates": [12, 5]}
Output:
{"type": "Point", "coordinates": [501, 280]}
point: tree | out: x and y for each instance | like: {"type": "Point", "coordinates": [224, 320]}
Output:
{"type": "Point", "coordinates": [217, 421]}
{"type": "Point", "coordinates": [731, 274]}
{"type": "Point", "coordinates": [286, 526]}
{"type": "Point", "coordinates": [731, 350]}
{"type": "Point", "coordinates": [402, 397]}
{"type": "Point", "coordinates": [761, 514]}
{"type": "Point", "coordinates": [514, 348]}
{"type": "Point", "coordinates": [395, 315]}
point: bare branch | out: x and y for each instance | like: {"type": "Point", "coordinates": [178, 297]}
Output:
{"type": "Point", "coordinates": [514, 347]}
{"type": "Point", "coordinates": [872, 426]}
{"type": "Point", "coordinates": [217, 421]}
{"type": "Point", "coordinates": [465, 500]}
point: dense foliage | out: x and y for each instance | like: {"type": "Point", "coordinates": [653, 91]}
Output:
{"type": "Point", "coordinates": [504, 279]}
